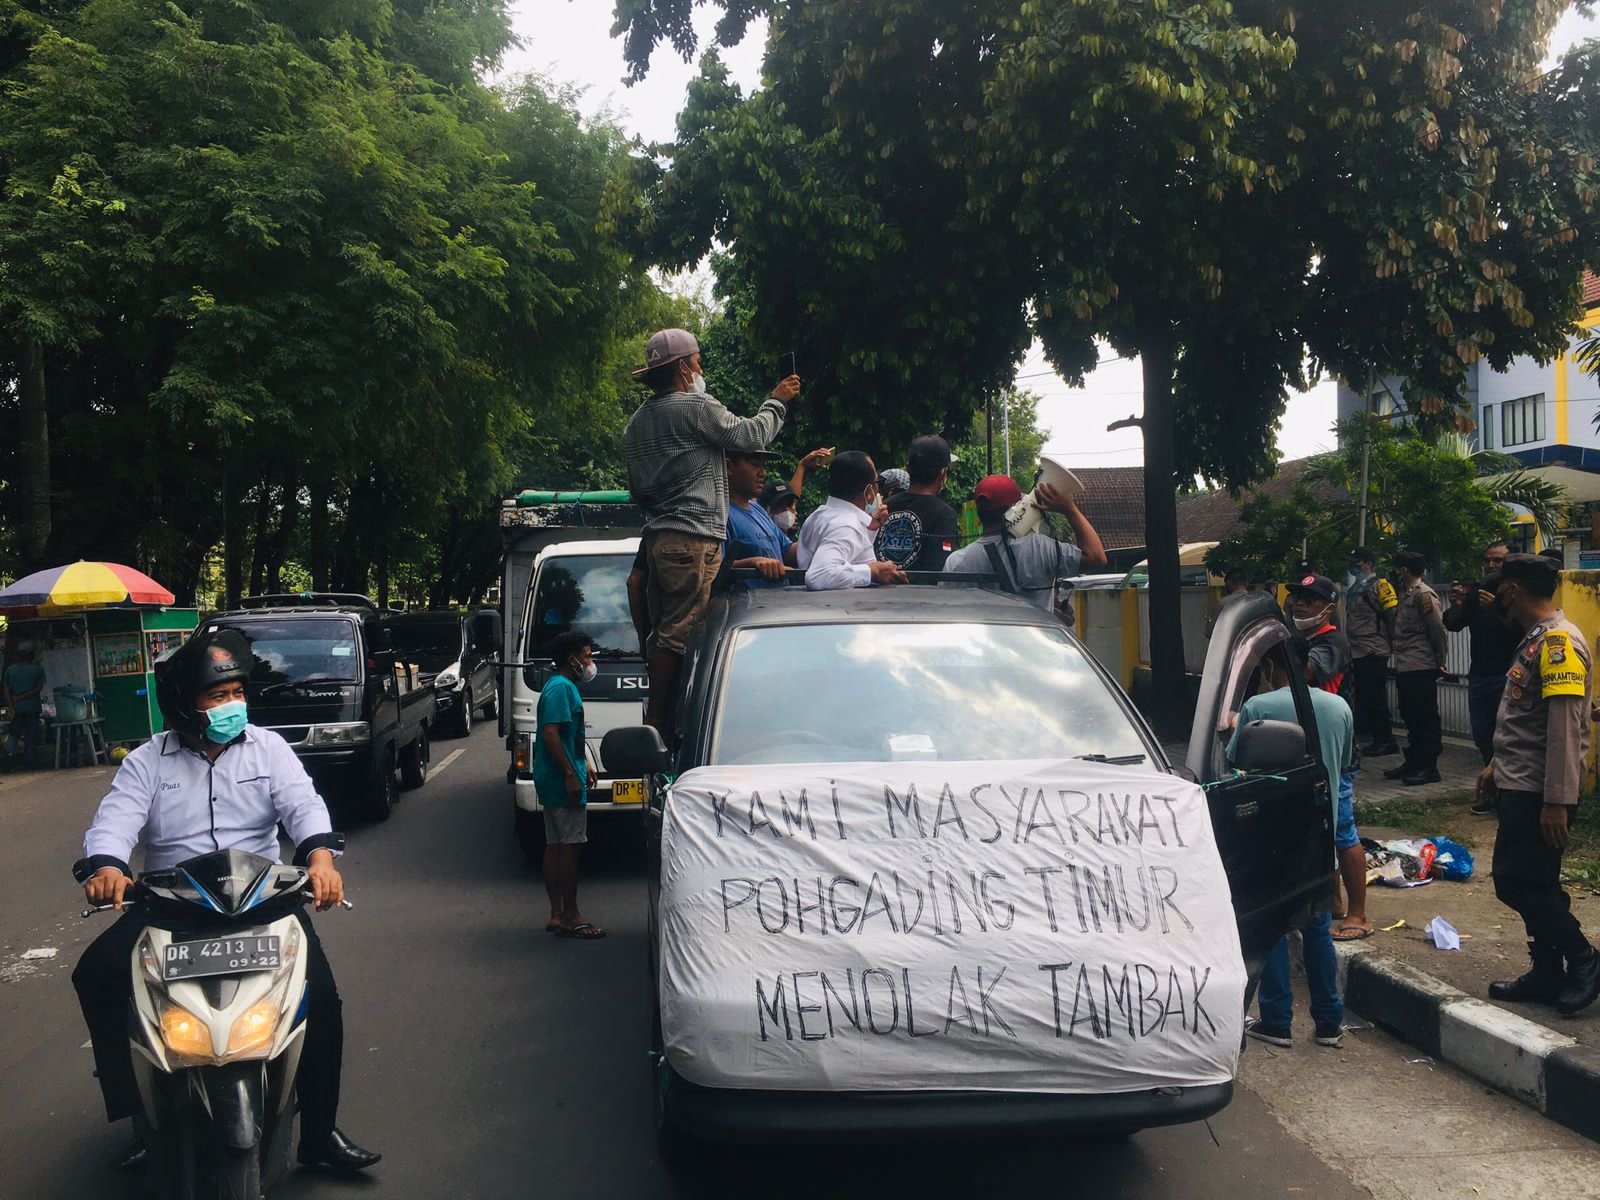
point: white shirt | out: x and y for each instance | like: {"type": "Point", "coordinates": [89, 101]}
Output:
{"type": "Point", "coordinates": [1034, 564]}
{"type": "Point", "coordinates": [177, 804]}
{"type": "Point", "coordinates": [835, 549]}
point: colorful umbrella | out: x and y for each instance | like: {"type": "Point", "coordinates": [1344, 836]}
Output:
{"type": "Point", "coordinates": [84, 585]}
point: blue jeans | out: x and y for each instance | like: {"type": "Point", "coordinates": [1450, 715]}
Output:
{"type": "Point", "coordinates": [1483, 703]}
{"type": "Point", "coordinates": [1322, 979]}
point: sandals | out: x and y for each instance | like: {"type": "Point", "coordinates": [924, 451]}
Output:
{"type": "Point", "coordinates": [1349, 931]}
{"type": "Point", "coordinates": [584, 932]}
{"type": "Point", "coordinates": [552, 926]}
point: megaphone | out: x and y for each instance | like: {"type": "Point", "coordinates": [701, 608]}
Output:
{"type": "Point", "coordinates": [1025, 515]}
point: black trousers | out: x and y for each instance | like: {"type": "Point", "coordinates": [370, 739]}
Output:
{"type": "Point", "coordinates": [1527, 876]}
{"type": "Point", "coordinates": [105, 990]}
{"type": "Point", "coordinates": [1419, 709]}
{"type": "Point", "coordinates": [1372, 698]}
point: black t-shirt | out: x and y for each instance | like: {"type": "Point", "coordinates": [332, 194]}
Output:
{"type": "Point", "coordinates": [919, 533]}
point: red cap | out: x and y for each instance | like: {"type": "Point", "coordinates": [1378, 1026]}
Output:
{"type": "Point", "coordinates": [996, 493]}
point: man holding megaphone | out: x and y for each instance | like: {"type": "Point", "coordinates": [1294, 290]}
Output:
{"type": "Point", "coordinates": [1028, 565]}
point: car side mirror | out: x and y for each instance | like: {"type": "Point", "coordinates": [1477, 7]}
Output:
{"type": "Point", "coordinates": [1270, 746]}
{"type": "Point", "coordinates": [634, 750]}
{"type": "Point", "coordinates": [485, 632]}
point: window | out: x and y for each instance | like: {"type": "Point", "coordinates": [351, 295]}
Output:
{"type": "Point", "coordinates": [588, 593]}
{"type": "Point", "coordinates": [1486, 427]}
{"type": "Point", "coordinates": [1522, 421]}
{"type": "Point", "coordinates": [914, 691]}
{"type": "Point", "coordinates": [303, 650]}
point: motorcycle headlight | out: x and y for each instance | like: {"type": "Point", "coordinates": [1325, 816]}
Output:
{"type": "Point", "coordinates": [254, 1028]}
{"type": "Point", "coordinates": [185, 1033]}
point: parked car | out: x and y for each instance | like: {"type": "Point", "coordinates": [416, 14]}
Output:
{"type": "Point", "coordinates": [328, 681]}
{"type": "Point", "coordinates": [845, 759]}
{"type": "Point", "coordinates": [1192, 569]}
{"type": "Point", "coordinates": [464, 680]}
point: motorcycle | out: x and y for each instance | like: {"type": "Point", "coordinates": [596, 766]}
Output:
{"type": "Point", "coordinates": [218, 1022]}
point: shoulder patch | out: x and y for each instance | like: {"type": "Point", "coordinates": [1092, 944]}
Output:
{"type": "Point", "coordinates": [1562, 672]}
{"type": "Point", "coordinates": [1386, 596]}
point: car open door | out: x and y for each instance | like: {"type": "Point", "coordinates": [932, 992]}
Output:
{"type": "Point", "coordinates": [1274, 820]}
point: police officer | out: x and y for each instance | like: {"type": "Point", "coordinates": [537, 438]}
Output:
{"type": "Point", "coordinates": [213, 782]}
{"type": "Point", "coordinates": [1419, 658]}
{"type": "Point", "coordinates": [1540, 740]}
{"type": "Point", "coordinates": [1493, 642]}
{"type": "Point", "coordinates": [1369, 607]}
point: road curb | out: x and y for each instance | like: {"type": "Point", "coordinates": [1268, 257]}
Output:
{"type": "Point", "coordinates": [1540, 1066]}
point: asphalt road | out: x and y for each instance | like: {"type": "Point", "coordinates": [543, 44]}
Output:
{"type": "Point", "coordinates": [486, 1059]}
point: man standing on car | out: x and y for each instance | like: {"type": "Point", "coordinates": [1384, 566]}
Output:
{"type": "Point", "coordinates": [561, 779]}
{"type": "Point", "coordinates": [212, 782]}
{"type": "Point", "coordinates": [1029, 565]}
{"type": "Point", "coordinates": [1328, 659]}
{"type": "Point", "coordinates": [1336, 739]}
{"type": "Point", "coordinates": [835, 549]}
{"type": "Point", "coordinates": [675, 444]}
{"type": "Point", "coordinates": [1493, 643]}
{"type": "Point", "coordinates": [1419, 660]}
{"type": "Point", "coordinates": [1369, 608]}
{"type": "Point", "coordinates": [921, 530]}
{"type": "Point", "coordinates": [1541, 739]}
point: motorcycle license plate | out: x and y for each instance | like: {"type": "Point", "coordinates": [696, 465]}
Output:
{"type": "Point", "coordinates": [222, 956]}
{"type": "Point", "coordinates": [627, 791]}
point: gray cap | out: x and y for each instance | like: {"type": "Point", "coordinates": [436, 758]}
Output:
{"type": "Point", "coordinates": [665, 347]}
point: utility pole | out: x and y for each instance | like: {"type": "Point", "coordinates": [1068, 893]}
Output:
{"type": "Point", "coordinates": [1005, 424]}
{"type": "Point", "coordinates": [1366, 459]}
{"type": "Point", "coordinates": [988, 436]}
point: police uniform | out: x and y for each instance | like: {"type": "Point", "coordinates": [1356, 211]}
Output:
{"type": "Point", "coordinates": [1419, 654]}
{"type": "Point", "coordinates": [1541, 739]}
{"type": "Point", "coordinates": [1369, 609]}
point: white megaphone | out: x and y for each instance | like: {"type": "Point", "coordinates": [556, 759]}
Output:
{"type": "Point", "coordinates": [1025, 516]}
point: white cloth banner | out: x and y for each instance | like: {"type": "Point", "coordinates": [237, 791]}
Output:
{"type": "Point", "coordinates": [1040, 926]}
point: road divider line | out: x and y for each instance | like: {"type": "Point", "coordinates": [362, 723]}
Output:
{"type": "Point", "coordinates": [448, 759]}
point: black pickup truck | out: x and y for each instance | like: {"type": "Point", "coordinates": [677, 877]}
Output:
{"type": "Point", "coordinates": [328, 680]}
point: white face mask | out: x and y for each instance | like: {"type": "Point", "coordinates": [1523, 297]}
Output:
{"type": "Point", "coordinates": [785, 520]}
{"type": "Point", "coordinates": [588, 673]}
{"type": "Point", "coordinates": [1309, 624]}
{"type": "Point", "coordinates": [697, 383]}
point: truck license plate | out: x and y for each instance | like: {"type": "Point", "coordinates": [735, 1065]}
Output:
{"type": "Point", "coordinates": [222, 956]}
{"type": "Point", "coordinates": [627, 791]}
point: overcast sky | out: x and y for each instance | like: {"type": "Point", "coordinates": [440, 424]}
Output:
{"type": "Point", "coordinates": [570, 41]}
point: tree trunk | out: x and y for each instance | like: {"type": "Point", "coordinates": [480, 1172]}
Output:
{"type": "Point", "coordinates": [35, 458]}
{"type": "Point", "coordinates": [232, 540]}
{"type": "Point", "coordinates": [278, 542]}
{"type": "Point", "coordinates": [1169, 693]}
{"type": "Point", "coordinates": [258, 539]}
{"type": "Point", "coordinates": [319, 535]}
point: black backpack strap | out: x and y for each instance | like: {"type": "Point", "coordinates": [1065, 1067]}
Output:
{"type": "Point", "coordinates": [1008, 582]}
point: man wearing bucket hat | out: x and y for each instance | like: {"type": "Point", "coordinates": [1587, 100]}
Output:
{"type": "Point", "coordinates": [1029, 565]}
{"type": "Point", "coordinates": [676, 443]}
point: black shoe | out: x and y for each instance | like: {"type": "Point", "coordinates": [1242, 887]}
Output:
{"type": "Point", "coordinates": [338, 1153]}
{"type": "Point", "coordinates": [1582, 984]}
{"type": "Point", "coordinates": [1419, 777]}
{"type": "Point", "coordinates": [1482, 809]}
{"type": "Point", "coordinates": [1399, 772]}
{"type": "Point", "coordinates": [1380, 749]}
{"type": "Point", "coordinates": [1542, 983]}
{"type": "Point", "coordinates": [1331, 1036]}
{"type": "Point", "coordinates": [133, 1157]}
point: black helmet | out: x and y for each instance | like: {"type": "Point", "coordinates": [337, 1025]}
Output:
{"type": "Point", "coordinates": [206, 660]}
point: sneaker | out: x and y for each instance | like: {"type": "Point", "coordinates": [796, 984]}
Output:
{"type": "Point", "coordinates": [1482, 808]}
{"type": "Point", "coordinates": [1266, 1033]}
{"type": "Point", "coordinates": [1331, 1036]}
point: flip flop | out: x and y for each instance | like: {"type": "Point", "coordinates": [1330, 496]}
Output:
{"type": "Point", "coordinates": [1352, 933]}
{"type": "Point", "coordinates": [552, 926]}
{"type": "Point", "coordinates": [584, 932]}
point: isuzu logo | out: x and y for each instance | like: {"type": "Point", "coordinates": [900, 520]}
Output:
{"type": "Point", "coordinates": [632, 683]}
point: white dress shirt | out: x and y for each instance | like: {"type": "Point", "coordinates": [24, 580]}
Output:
{"type": "Point", "coordinates": [177, 804]}
{"type": "Point", "coordinates": [835, 549]}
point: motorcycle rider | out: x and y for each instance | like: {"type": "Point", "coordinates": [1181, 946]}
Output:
{"type": "Point", "coordinates": [212, 782]}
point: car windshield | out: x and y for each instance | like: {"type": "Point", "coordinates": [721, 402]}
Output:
{"type": "Point", "coordinates": [588, 593]}
{"type": "Point", "coordinates": [306, 650]}
{"type": "Point", "coordinates": [432, 645]}
{"type": "Point", "coordinates": [924, 691]}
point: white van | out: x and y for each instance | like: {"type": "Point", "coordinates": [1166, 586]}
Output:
{"type": "Point", "coordinates": [580, 585]}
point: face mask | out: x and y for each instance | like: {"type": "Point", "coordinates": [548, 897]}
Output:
{"type": "Point", "coordinates": [1312, 623]}
{"type": "Point", "coordinates": [784, 520]}
{"type": "Point", "coordinates": [226, 721]}
{"type": "Point", "coordinates": [697, 383]}
{"type": "Point", "coordinates": [874, 506]}
{"type": "Point", "coordinates": [588, 673]}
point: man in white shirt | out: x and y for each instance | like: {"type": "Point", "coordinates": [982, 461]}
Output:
{"type": "Point", "coordinates": [835, 549]}
{"type": "Point", "coordinates": [1031, 564]}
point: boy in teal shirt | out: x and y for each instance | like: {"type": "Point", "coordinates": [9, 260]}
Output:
{"type": "Point", "coordinates": [561, 779]}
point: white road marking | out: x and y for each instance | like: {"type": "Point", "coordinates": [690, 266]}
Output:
{"type": "Point", "coordinates": [448, 759]}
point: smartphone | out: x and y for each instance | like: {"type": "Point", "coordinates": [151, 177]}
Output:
{"type": "Point", "coordinates": [786, 366]}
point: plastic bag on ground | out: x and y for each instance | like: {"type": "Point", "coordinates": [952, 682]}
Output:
{"type": "Point", "coordinates": [1442, 934]}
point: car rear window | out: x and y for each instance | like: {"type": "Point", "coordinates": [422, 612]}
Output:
{"type": "Point", "coordinates": [586, 592]}
{"type": "Point", "coordinates": [887, 692]}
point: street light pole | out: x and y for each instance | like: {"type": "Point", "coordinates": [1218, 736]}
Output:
{"type": "Point", "coordinates": [1366, 460]}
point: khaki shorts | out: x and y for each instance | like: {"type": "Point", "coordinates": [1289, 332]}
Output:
{"type": "Point", "coordinates": [682, 567]}
{"type": "Point", "coordinates": [566, 826]}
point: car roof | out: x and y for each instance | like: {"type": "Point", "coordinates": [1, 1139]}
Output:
{"type": "Point", "coordinates": [573, 549]}
{"type": "Point", "coordinates": [431, 616]}
{"type": "Point", "coordinates": [907, 603]}
{"type": "Point", "coordinates": [242, 615]}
